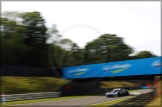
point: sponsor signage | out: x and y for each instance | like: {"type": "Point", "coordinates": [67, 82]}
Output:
{"type": "Point", "coordinates": [146, 66]}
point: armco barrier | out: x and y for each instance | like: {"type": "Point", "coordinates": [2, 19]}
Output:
{"type": "Point", "coordinates": [30, 96]}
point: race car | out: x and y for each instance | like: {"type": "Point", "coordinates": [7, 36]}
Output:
{"type": "Point", "coordinates": [118, 92]}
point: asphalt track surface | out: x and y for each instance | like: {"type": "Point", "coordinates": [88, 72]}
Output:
{"type": "Point", "coordinates": [77, 102]}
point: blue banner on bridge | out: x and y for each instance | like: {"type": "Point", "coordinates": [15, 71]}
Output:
{"type": "Point", "coordinates": [146, 66]}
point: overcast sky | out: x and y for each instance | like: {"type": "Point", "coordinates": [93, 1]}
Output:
{"type": "Point", "coordinates": [138, 23]}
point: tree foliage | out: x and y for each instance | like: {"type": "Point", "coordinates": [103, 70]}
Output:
{"type": "Point", "coordinates": [24, 41]}
{"type": "Point", "coordinates": [144, 54]}
{"type": "Point", "coordinates": [107, 48]}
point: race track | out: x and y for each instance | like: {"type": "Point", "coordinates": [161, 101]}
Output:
{"type": "Point", "coordinates": [77, 102]}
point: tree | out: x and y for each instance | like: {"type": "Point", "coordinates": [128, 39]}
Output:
{"type": "Point", "coordinates": [66, 53]}
{"type": "Point", "coordinates": [12, 47]}
{"type": "Point", "coordinates": [66, 44]}
{"type": "Point", "coordinates": [35, 36]}
{"type": "Point", "coordinates": [24, 41]}
{"type": "Point", "coordinates": [76, 56]}
{"type": "Point", "coordinates": [144, 54]}
{"type": "Point", "coordinates": [11, 16]}
{"type": "Point", "coordinates": [35, 28]}
{"type": "Point", "coordinates": [107, 48]}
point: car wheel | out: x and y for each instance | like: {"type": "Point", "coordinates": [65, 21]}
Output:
{"type": "Point", "coordinates": [127, 93]}
{"type": "Point", "coordinates": [118, 95]}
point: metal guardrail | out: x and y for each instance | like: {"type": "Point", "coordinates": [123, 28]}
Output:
{"type": "Point", "coordinates": [30, 96]}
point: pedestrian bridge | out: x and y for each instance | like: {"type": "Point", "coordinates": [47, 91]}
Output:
{"type": "Point", "coordinates": [132, 69]}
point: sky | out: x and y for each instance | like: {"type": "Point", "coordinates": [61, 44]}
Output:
{"type": "Point", "coordinates": [138, 23]}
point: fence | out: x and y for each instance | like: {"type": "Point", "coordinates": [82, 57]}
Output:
{"type": "Point", "coordinates": [30, 96]}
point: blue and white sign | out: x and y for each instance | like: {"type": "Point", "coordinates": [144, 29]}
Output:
{"type": "Point", "coordinates": [146, 66]}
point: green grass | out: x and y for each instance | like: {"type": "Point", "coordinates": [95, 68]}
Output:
{"type": "Point", "coordinates": [106, 104]}
{"type": "Point", "coordinates": [40, 100]}
{"type": "Point", "coordinates": [155, 103]}
{"type": "Point", "coordinates": [19, 85]}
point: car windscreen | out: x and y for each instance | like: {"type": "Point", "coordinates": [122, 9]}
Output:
{"type": "Point", "coordinates": [114, 91]}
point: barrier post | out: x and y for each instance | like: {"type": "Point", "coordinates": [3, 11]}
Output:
{"type": "Point", "coordinates": [3, 98]}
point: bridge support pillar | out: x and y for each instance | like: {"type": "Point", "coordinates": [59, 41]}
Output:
{"type": "Point", "coordinates": [157, 84]}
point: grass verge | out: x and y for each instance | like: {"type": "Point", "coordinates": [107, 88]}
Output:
{"type": "Point", "coordinates": [157, 102]}
{"type": "Point", "coordinates": [21, 85]}
{"type": "Point", "coordinates": [109, 103]}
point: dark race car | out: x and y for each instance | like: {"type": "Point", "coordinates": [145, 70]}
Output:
{"type": "Point", "coordinates": [118, 92]}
